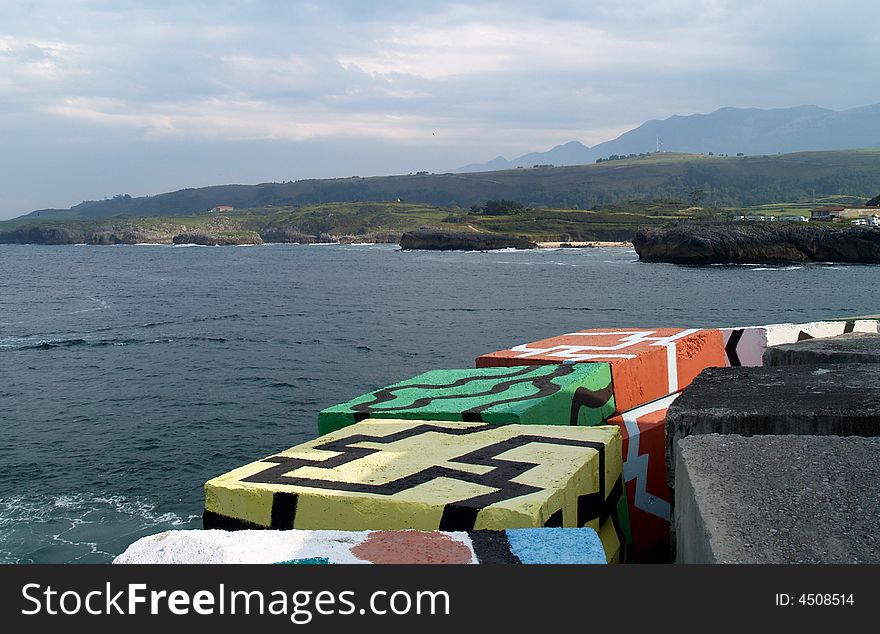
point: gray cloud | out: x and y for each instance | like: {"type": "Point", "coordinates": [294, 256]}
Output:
{"type": "Point", "coordinates": [224, 91]}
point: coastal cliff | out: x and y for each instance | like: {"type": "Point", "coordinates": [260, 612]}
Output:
{"type": "Point", "coordinates": [443, 240]}
{"type": "Point", "coordinates": [758, 242]}
{"type": "Point", "coordinates": [218, 239]}
{"type": "Point", "coordinates": [77, 234]}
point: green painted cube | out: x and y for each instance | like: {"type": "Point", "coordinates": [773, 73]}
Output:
{"type": "Point", "coordinates": [570, 394]}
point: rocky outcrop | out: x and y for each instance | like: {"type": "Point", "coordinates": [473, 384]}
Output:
{"type": "Point", "coordinates": [218, 239]}
{"type": "Point", "coordinates": [126, 235]}
{"type": "Point", "coordinates": [874, 202]}
{"type": "Point", "coordinates": [758, 242]}
{"type": "Point", "coordinates": [75, 233]}
{"type": "Point", "coordinates": [444, 240]}
{"type": "Point", "coordinates": [43, 234]}
{"type": "Point", "coordinates": [385, 237]}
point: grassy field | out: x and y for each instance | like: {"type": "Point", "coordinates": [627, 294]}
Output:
{"type": "Point", "coordinates": [802, 208]}
{"type": "Point", "coordinates": [386, 221]}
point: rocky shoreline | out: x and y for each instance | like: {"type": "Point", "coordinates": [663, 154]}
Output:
{"type": "Point", "coordinates": [218, 240]}
{"type": "Point", "coordinates": [59, 234]}
{"type": "Point", "coordinates": [758, 243]}
{"type": "Point", "coordinates": [592, 244]}
{"type": "Point", "coordinates": [434, 239]}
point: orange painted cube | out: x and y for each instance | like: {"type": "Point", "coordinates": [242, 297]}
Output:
{"type": "Point", "coordinates": [644, 471]}
{"type": "Point", "coordinates": [646, 364]}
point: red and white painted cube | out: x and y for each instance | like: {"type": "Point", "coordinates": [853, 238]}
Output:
{"type": "Point", "coordinates": [649, 498]}
{"type": "Point", "coordinates": [646, 364]}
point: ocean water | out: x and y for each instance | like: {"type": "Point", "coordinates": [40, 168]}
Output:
{"type": "Point", "coordinates": [130, 375]}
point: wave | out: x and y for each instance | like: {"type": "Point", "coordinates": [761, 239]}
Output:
{"type": "Point", "coordinates": [37, 343]}
{"type": "Point", "coordinates": [78, 527]}
{"type": "Point", "coordinates": [233, 316]}
{"type": "Point", "coordinates": [757, 267]}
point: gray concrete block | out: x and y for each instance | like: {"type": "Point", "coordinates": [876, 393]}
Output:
{"type": "Point", "coordinates": [838, 399]}
{"type": "Point", "coordinates": [856, 347]}
{"type": "Point", "coordinates": [777, 499]}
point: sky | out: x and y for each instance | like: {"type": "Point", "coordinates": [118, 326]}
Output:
{"type": "Point", "coordinates": [99, 98]}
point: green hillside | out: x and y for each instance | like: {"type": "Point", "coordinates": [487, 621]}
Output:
{"type": "Point", "coordinates": [349, 222]}
{"type": "Point", "coordinates": [385, 222]}
{"type": "Point", "coordinates": [726, 181]}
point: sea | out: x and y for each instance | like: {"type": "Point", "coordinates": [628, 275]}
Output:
{"type": "Point", "coordinates": [130, 375]}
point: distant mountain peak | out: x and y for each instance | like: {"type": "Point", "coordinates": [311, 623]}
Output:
{"type": "Point", "coordinates": [572, 144]}
{"type": "Point", "coordinates": [570, 153]}
{"type": "Point", "coordinates": [727, 130]}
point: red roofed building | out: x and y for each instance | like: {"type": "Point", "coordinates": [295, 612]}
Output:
{"type": "Point", "coordinates": [837, 212]}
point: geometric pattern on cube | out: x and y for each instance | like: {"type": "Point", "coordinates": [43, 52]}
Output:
{"type": "Point", "coordinates": [643, 432]}
{"type": "Point", "coordinates": [537, 394]}
{"type": "Point", "coordinates": [428, 475]}
{"type": "Point", "coordinates": [646, 364]}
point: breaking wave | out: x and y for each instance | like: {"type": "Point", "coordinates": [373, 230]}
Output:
{"type": "Point", "coordinates": [79, 527]}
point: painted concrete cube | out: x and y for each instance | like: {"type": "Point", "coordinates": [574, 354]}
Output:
{"type": "Point", "coordinates": [430, 475]}
{"type": "Point", "coordinates": [643, 431]}
{"type": "Point", "coordinates": [528, 395]}
{"type": "Point", "coordinates": [746, 346]}
{"type": "Point", "coordinates": [513, 546]}
{"type": "Point", "coordinates": [646, 364]}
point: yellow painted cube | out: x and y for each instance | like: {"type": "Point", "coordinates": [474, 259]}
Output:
{"type": "Point", "coordinates": [430, 475]}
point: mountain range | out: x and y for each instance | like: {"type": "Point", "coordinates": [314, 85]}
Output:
{"type": "Point", "coordinates": [731, 131]}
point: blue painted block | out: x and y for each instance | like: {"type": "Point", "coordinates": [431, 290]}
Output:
{"type": "Point", "coordinates": [556, 545]}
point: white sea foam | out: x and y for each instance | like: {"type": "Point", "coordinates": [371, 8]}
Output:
{"type": "Point", "coordinates": [507, 250]}
{"type": "Point", "coordinates": [19, 342]}
{"type": "Point", "coordinates": [79, 527]}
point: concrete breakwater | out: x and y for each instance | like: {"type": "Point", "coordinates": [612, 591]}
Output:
{"type": "Point", "coordinates": [554, 437]}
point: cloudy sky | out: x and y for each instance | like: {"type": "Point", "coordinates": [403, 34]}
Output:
{"type": "Point", "coordinates": [143, 96]}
